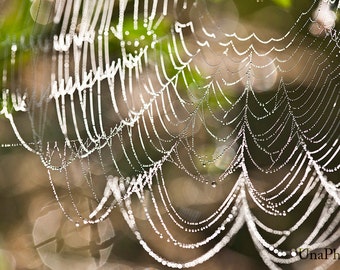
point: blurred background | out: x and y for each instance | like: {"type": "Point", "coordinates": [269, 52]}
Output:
{"type": "Point", "coordinates": [34, 234]}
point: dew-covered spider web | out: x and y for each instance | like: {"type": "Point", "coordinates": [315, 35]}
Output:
{"type": "Point", "coordinates": [145, 105]}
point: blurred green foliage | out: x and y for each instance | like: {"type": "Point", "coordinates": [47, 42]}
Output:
{"type": "Point", "coordinates": [283, 3]}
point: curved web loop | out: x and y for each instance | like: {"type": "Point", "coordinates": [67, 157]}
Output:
{"type": "Point", "coordinates": [147, 92]}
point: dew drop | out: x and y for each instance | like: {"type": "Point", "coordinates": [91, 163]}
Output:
{"type": "Point", "coordinates": [286, 233]}
{"type": "Point", "coordinates": [14, 48]}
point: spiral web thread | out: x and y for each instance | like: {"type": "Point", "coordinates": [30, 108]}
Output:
{"type": "Point", "coordinates": [137, 103]}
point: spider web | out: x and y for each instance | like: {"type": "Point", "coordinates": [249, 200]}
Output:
{"type": "Point", "coordinates": [148, 92]}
